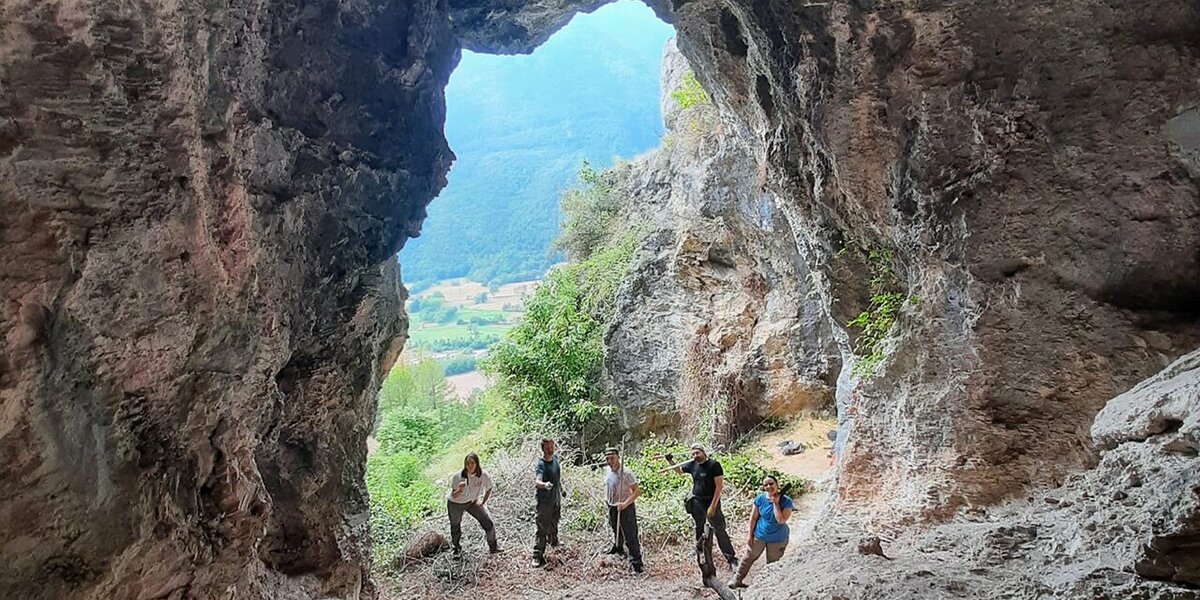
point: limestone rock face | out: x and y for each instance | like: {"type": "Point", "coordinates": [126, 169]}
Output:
{"type": "Point", "coordinates": [1024, 171]}
{"type": "Point", "coordinates": [1126, 528]}
{"type": "Point", "coordinates": [714, 327]}
{"type": "Point", "coordinates": [199, 206]}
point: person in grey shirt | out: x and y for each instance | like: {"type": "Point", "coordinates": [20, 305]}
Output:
{"type": "Point", "coordinates": [547, 478]}
{"type": "Point", "coordinates": [621, 491]}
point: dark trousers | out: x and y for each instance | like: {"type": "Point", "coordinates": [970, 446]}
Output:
{"type": "Point", "coordinates": [698, 507]}
{"type": "Point", "coordinates": [480, 514]}
{"type": "Point", "coordinates": [548, 514]}
{"type": "Point", "coordinates": [624, 527]}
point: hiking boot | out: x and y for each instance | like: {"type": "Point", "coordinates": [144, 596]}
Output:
{"type": "Point", "coordinates": [637, 568]}
{"type": "Point", "coordinates": [538, 562]}
{"type": "Point", "coordinates": [733, 564]}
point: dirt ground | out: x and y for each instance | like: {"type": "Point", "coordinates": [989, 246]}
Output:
{"type": "Point", "coordinates": [578, 569]}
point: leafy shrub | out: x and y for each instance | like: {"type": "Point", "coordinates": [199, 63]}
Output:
{"type": "Point", "coordinates": [548, 365]}
{"type": "Point", "coordinates": [689, 93]}
{"type": "Point", "coordinates": [744, 473]}
{"type": "Point", "coordinates": [460, 364]}
{"type": "Point", "coordinates": [589, 212]}
{"type": "Point", "coordinates": [875, 323]}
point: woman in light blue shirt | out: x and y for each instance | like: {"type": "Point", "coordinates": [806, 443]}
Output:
{"type": "Point", "coordinates": [768, 528]}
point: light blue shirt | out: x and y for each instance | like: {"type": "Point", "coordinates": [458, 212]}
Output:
{"type": "Point", "coordinates": [767, 529]}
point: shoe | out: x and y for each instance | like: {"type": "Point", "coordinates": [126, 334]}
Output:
{"type": "Point", "coordinates": [494, 550]}
{"type": "Point", "coordinates": [637, 569]}
{"type": "Point", "coordinates": [733, 564]}
{"type": "Point", "coordinates": [457, 552]}
{"type": "Point", "coordinates": [614, 550]}
{"type": "Point", "coordinates": [539, 563]}
{"type": "Point", "coordinates": [736, 583]}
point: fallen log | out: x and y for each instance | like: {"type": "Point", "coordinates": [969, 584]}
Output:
{"type": "Point", "coordinates": [708, 571]}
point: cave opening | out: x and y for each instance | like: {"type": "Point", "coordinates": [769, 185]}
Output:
{"type": "Point", "coordinates": [541, 141]}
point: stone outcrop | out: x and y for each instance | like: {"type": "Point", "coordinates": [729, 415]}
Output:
{"type": "Point", "coordinates": [199, 205]}
{"type": "Point", "coordinates": [715, 329]}
{"type": "Point", "coordinates": [1124, 529]}
{"type": "Point", "coordinates": [1028, 172]}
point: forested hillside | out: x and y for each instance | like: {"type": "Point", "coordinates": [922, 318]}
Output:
{"type": "Point", "coordinates": [521, 126]}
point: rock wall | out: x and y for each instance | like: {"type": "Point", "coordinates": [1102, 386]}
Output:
{"type": "Point", "coordinates": [1030, 171]}
{"type": "Point", "coordinates": [199, 206]}
{"type": "Point", "coordinates": [715, 329]}
{"type": "Point", "coordinates": [1127, 528]}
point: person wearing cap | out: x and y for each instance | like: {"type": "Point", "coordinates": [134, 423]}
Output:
{"type": "Point", "coordinates": [704, 503]}
{"type": "Point", "coordinates": [547, 478]}
{"type": "Point", "coordinates": [621, 491]}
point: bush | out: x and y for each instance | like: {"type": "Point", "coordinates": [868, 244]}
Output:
{"type": "Point", "coordinates": [745, 474]}
{"type": "Point", "coordinates": [590, 212]}
{"type": "Point", "coordinates": [460, 364]}
{"type": "Point", "coordinates": [689, 93]}
{"type": "Point", "coordinates": [548, 365]}
{"type": "Point", "coordinates": [875, 323]}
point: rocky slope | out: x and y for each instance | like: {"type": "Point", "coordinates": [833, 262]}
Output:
{"type": "Point", "coordinates": [1124, 529]}
{"type": "Point", "coordinates": [714, 328]}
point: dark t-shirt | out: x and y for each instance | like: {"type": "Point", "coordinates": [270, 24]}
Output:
{"type": "Point", "coordinates": [704, 484]}
{"type": "Point", "coordinates": [550, 472]}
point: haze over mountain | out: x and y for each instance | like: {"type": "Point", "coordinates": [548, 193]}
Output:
{"type": "Point", "coordinates": [521, 127]}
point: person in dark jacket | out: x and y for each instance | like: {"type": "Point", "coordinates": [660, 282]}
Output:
{"type": "Point", "coordinates": [704, 503]}
{"type": "Point", "coordinates": [547, 479]}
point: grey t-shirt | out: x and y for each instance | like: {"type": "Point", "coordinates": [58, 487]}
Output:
{"type": "Point", "coordinates": [618, 485]}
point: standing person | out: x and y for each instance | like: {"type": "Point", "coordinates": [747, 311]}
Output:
{"type": "Point", "coordinates": [621, 490]}
{"type": "Point", "coordinates": [768, 528]}
{"type": "Point", "coordinates": [470, 490]}
{"type": "Point", "coordinates": [708, 480]}
{"type": "Point", "coordinates": [547, 478]}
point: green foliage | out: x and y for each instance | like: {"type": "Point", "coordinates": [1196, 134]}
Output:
{"type": "Point", "coordinates": [875, 323]}
{"type": "Point", "coordinates": [418, 418]}
{"type": "Point", "coordinates": [589, 212]}
{"type": "Point", "coordinates": [548, 365]}
{"type": "Point", "coordinates": [460, 364]}
{"type": "Point", "coordinates": [689, 93]}
{"type": "Point", "coordinates": [647, 461]}
{"type": "Point", "coordinates": [744, 473]}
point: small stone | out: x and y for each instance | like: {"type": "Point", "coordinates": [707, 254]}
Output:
{"type": "Point", "coordinates": [1119, 495]}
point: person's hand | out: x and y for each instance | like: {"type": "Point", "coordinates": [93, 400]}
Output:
{"type": "Point", "coordinates": [712, 510]}
{"type": "Point", "coordinates": [456, 494]}
{"type": "Point", "coordinates": [750, 541]}
{"type": "Point", "coordinates": [479, 502]}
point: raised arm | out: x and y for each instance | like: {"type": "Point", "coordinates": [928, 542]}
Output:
{"type": "Point", "coordinates": [781, 514]}
{"type": "Point", "coordinates": [678, 467]}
